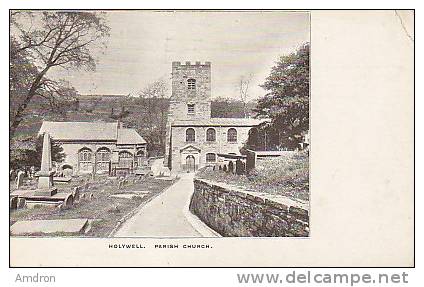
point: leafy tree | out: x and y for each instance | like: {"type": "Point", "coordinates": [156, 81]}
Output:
{"type": "Point", "coordinates": [28, 152]}
{"type": "Point", "coordinates": [230, 108]}
{"type": "Point", "coordinates": [150, 115]}
{"type": "Point", "coordinates": [286, 102]}
{"type": "Point", "coordinates": [42, 41]}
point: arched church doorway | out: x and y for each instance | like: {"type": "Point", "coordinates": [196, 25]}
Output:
{"type": "Point", "coordinates": [190, 163]}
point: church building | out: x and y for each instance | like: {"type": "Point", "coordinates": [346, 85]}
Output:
{"type": "Point", "coordinates": [99, 146]}
{"type": "Point", "coordinates": [194, 138]}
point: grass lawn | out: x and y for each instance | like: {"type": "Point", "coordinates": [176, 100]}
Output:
{"type": "Point", "coordinates": [104, 211]}
{"type": "Point", "coordinates": [286, 175]}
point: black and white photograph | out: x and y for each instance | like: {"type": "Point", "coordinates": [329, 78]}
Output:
{"type": "Point", "coordinates": [159, 123]}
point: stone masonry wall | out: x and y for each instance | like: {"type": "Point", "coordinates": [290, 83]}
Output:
{"type": "Point", "coordinates": [181, 95]}
{"type": "Point", "coordinates": [221, 145]}
{"type": "Point", "coordinates": [233, 212]}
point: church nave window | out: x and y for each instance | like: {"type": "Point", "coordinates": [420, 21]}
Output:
{"type": "Point", "coordinates": [210, 157]}
{"type": "Point", "coordinates": [232, 135]}
{"type": "Point", "coordinates": [210, 135]}
{"type": "Point", "coordinates": [190, 135]}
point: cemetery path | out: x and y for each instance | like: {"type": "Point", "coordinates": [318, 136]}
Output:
{"type": "Point", "coordinates": [167, 215]}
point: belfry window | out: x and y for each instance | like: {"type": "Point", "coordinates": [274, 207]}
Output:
{"type": "Point", "coordinates": [190, 108]}
{"type": "Point", "coordinates": [191, 84]}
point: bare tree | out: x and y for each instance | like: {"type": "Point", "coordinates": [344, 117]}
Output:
{"type": "Point", "coordinates": [49, 39]}
{"type": "Point", "coordinates": [155, 100]}
{"type": "Point", "coordinates": [244, 91]}
{"type": "Point", "coordinates": [58, 95]}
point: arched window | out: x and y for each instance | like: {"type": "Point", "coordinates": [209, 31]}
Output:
{"type": "Point", "coordinates": [125, 159]}
{"type": "Point", "coordinates": [191, 84]}
{"type": "Point", "coordinates": [125, 155]}
{"type": "Point", "coordinates": [232, 135]}
{"type": "Point", "coordinates": [103, 154]}
{"type": "Point", "coordinates": [190, 135]}
{"type": "Point", "coordinates": [210, 135]}
{"type": "Point", "coordinates": [210, 157]}
{"type": "Point", "coordinates": [85, 159]}
{"type": "Point", "coordinates": [103, 158]}
{"type": "Point", "coordinates": [85, 154]}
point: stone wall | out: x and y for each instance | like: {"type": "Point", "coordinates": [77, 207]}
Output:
{"type": "Point", "coordinates": [71, 149]}
{"type": "Point", "coordinates": [181, 95]}
{"type": "Point", "coordinates": [234, 212]}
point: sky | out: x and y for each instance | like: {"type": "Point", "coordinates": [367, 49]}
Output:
{"type": "Point", "coordinates": [143, 44]}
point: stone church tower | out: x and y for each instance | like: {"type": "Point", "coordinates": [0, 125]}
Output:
{"type": "Point", "coordinates": [191, 85]}
{"type": "Point", "coordinates": [191, 97]}
{"type": "Point", "coordinates": [193, 138]}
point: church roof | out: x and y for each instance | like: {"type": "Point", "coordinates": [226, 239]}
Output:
{"type": "Point", "coordinates": [235, 122]}
{"type": "Point", "coordinates": [129, 136]}
{"type": "Point", "coordinates": [91, 131]}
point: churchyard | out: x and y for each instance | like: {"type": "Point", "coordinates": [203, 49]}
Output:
{"type": "Point", "coordinates": [94, 137]}
{"type": "Point", "coordinates": [286, 175]}
{"type": "Point", "coordinates": [262, 196]}
{"type": "Point", "coordinates": [105, 202]}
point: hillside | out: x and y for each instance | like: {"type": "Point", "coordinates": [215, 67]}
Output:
{"type": "Point", "coordinates": [148, 116]}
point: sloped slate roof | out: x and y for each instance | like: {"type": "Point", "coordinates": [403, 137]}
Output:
{"type": "Point", "coordinates": [91, 131]}
{"type": "Point", "coordinates": [80, 130]}
{"type": "Point", "coordinates": [237, 122]}
{"type": "Point", "coordinates": [129, 136]}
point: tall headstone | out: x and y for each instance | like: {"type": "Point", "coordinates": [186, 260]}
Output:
{"type": "Point", "coordinates": [46, 158]}
{"type": "Point", "coordinates": [20, 179]}
{"type": "Point", "coordinates": [45, 175]}
{"type": "Point", "coordinates": [240, 167]}
{"type": "Point", "coordinates": [250, 160]}
{"type": "Point", "coordinates": [231, 167]}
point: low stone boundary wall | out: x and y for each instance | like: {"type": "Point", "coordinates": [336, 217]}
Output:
{"type": "Point", "coordinates": [234, 212]}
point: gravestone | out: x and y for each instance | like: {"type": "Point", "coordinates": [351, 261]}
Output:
{"type": "Point", "coordinates": [20, 179]}
{"type": "Point", "coordinates": [12, 175]}
{"type": "Point", "coordinates": [21, 203]}
{"type": "Point", "coordinates": [76, 193]}
{"type": "Point", "coordinates": [45, 175]}
{"type": "Point", "coordinates": [250, 160]}
{"type": "Point", "coordinates": [126, 195]}
{"type": "Point", "coordinates": [231, 167]}
{"type": "Point", "coordinates": [66, 226]}
{"type": "Point", "coordinates": [13, 203]}
{"type": "Point", "coordinates": [240, 167]}
{"type": "Point", "coordinates": [69, 200]}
